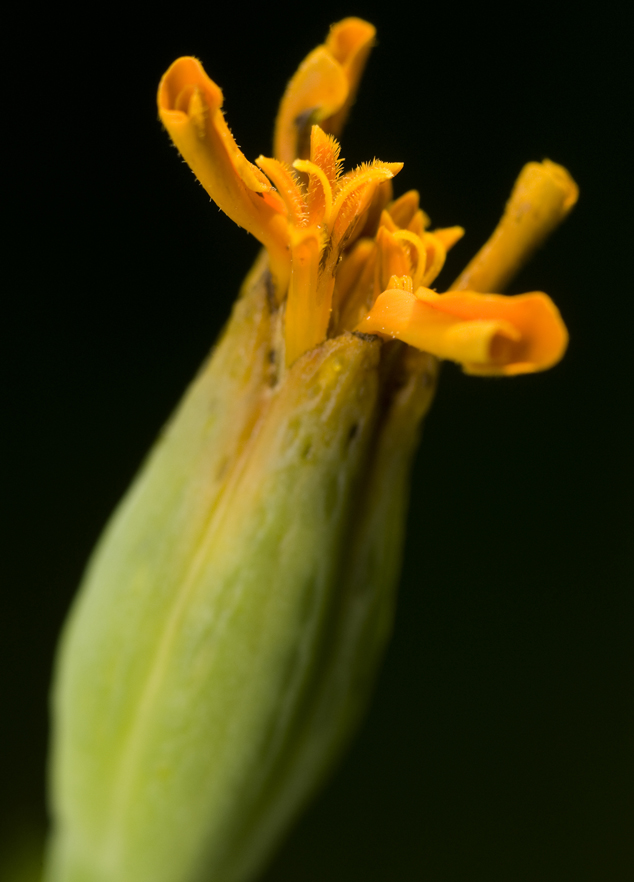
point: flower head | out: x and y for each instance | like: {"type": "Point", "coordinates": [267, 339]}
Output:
{"type": "Point", "coordinates": [344, 256]}
{"type": "Point", "coordinates": [224, 642]}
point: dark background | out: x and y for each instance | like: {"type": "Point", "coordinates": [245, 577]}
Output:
{"type": "Point", "coordinates": [500, 743]}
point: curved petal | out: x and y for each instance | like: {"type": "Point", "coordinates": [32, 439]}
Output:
{"type": "Point", "coordinates": [350, 42]}
{"type": "Point", "coordinates": [322, 89]}
{"type": "Point", "coordinates": [543, 195]}
{"type": "Point", "coordinates": [316, 91]}
{"type": "Point", "coordinates": [189, 105]}
{"type": "Point", "coordinates": [489, 334]}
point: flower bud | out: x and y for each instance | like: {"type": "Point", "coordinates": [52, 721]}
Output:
{"type": "Point", "coordinates": [224, 641]}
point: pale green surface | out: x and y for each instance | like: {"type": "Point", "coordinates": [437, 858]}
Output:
{"type": "Point", "coordinates": [227, 631]}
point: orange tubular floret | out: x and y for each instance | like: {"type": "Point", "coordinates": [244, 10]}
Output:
{"type": "Point", "coordinates": [336, 241]}
{"type": "Point", "coordinates": [307, 315]}
{"type": "Point", "coordinates": [542, 196]}
{"type": "Point", "coordinates": [392, 259]}
{"type": "Point", "coordinates": [489, 334]}
{"type": "Point", "coordinates": [336, 211]}
{"type": "Point", "coordinates": [350, 42]}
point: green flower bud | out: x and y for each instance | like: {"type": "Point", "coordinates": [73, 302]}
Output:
{"type": "Point", "coordinates": [224, 641]}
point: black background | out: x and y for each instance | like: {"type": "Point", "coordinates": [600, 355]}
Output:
{"type": "Point", "coordinates": [500, 743]}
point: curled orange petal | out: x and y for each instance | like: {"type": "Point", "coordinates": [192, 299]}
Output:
{"type": "Point", "coordinates": [350, 42]}
{"type": "Point", "coordinates": [543, 195]}
{"type": "Point", "coordinates": [489, 334]}
{"type": "Point", "coordinates": [189, 105]}
{"type": "Point", "coordinates": [322, 89]}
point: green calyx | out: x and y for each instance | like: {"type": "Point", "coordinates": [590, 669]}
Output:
{"type": "Point", "coordinates": [224, 642]}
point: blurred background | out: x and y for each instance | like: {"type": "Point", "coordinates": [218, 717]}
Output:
{"type": "Point", "coordinates": [500, 742]}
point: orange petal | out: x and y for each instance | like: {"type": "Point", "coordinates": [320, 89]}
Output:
{"type": "Point", "coordinates": [189, 105]}
{"type": "Point", "coordinates": [448, 236]}
{"type": "Point", "coordinates": [324, 155]}
{"type": "Point", "coordinates": [419, 223]}
{"type": "Point", "coordinates": [355, 190]}
{"type": "Point", "coordinates": [403, 209]}
{"type": "Point", "coordinates": [543, 195]}
{"type": "Point", "coordinates": [436, 254]}
{"type": "Point", "coordinates": [354, 282]}
{"type": "Point", "coordinates": [325, 152]}
{"type": "Point", "coordinates": [387, 221]}
{"type": "Point", "coordinates": [322, 89]}
{"type": "Point", "coordinates": [288, 188]}
{"type": "Point", "coordinates": [319, 199]}
{"type": "Point", "coordinates": [315, 92]}
{"type": "Point", "coordinates": [489, 334]}
{"type": "Point", "coordinates": [350, 42]}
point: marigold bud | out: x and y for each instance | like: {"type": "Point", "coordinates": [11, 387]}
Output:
{"type": "Point", "coordinates": [224, 641]}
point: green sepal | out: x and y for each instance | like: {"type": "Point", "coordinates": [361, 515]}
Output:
{"type": "Point", "coordinates": [225, 638]}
